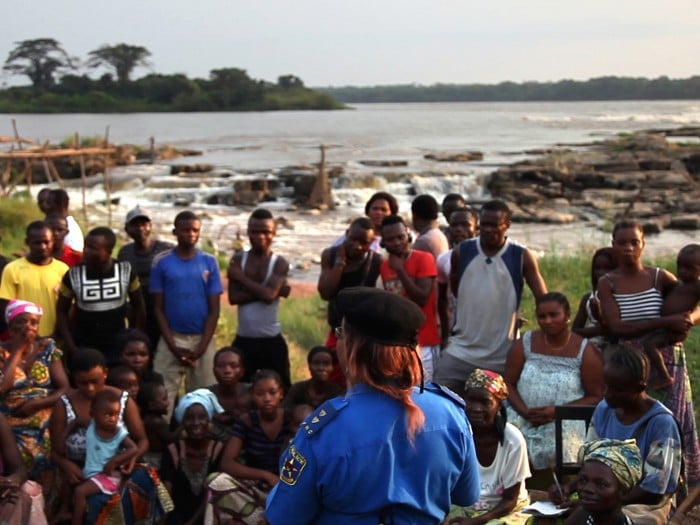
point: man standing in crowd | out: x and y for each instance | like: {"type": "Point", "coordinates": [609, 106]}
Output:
{"type": "Point", "coordinates": [37, 276]}
{"type": "Point", "coordinates": [257, 280]}
{"type": "Point", "coordinates": [186, 288]}
{"type": "Point", "coordinates": [486, 275]}
{"type": "Point", "coordinates": [100, 287]}
{"type": "Point", "coordinates": [140, 254]}
{"type": "Point", "coordinates": [57, 202]}
{"type": "Point", "coordinates": [61, 251]}
{"type": "Point", "coordinates": [412, 273]}
{"type": "Point", "coordinates": [351, 263]}
{"type": "Point", "coordinates": [424, 212]}
{"type": "Point", "coordinates": [463, 225]}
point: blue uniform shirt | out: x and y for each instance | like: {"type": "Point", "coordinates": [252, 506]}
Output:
{"type": "Point", "coordinates": [351, 460]}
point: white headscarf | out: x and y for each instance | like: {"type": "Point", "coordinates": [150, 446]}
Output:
{"type": "Point", "coordinates": [201, 396]}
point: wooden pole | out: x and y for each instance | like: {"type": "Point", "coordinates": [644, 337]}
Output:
{"type": "Point", "coordinates": [27, 164]}
{"type": "Point", "coordinates": [153, 150]}
{"type": "Point", "coordinates": [105, 182]}
{"type": "Point", "coordinates": [83, 179]}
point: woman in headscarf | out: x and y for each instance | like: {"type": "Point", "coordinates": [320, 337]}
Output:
{"type": "Point", "coordinates": [610, 468]}
{"type": "Point", "coordinates": [628, 412]}
{"type": "Point", "coordinates": [501, 452]}
{"type": "Point", "coordinates": [389, 451]}
{"type": "Point", "coordinates": [187, 463]}
{"type": "Point", "coordinates": [32, 379]}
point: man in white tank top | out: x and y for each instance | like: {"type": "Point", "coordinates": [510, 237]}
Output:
{"type": "Point", "coordinates": [257, 280]}
{"type": "Point", "coordinates": [486, 275]}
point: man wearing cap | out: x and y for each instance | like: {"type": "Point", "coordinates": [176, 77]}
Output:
{"type": "Point", "coordinates": [389, 451]}
{"type": "Point", "coordinates": [140, 254]}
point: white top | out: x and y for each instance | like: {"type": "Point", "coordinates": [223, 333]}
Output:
{"type": "Point", "coordinates": [74, 238]}
{"type": "Point", "coordinates": [509, 467]}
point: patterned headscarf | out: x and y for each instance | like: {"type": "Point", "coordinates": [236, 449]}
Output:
{"type": "Point", "coordinates": [489, 380]}
{"type": "Point", "coordinates": [16, 307]}
{"type": "Point", "coordinates": [623, 458]}
{"type": "Point", "coordinates": [201, 396]}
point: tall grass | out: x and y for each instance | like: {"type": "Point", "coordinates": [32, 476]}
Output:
{"type": "Point", "coordinates": [15, 215]}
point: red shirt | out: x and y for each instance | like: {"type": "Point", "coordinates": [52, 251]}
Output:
{"type": "Point", "coordinates": [70, 256]}
{"type": "Point", "coordinates": [418, 264]}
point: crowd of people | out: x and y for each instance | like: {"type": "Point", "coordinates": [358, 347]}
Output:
{"type": "Point", "coordinates": [123, 410]}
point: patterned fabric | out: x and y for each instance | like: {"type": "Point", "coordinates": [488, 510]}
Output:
{"type": "Point", "coordinates": [489, 380]}
{"type": "Point", "coordinates": [142, 500]}
{"type": "Point", "coordinates": [622, 456]}
{"type": "Point", "coordinates": [31, 432]}
{"type": "Point", "coordinates": [549, 380]}
{"type": "Point", "coordinates": [233, 500]}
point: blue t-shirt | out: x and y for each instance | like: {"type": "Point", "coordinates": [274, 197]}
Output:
{"type": "Point", "coordinates": [360, 464]}
{"type": "Point", "coordinates": [658, 440]}
{"type": "Point", "coordinates": [99, 451]}
{"type": "Point", "coordinates": [186, 285]}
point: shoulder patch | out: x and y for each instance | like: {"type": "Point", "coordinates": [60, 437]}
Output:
{"type": "Point", "coordinates": [292, 466]}
{"type": "Point", "coordinates": [445, 392]}
{"type": "Point", "coordinates": [323, 414]}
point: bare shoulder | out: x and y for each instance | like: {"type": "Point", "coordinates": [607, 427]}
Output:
{"type": "Point", "coordinates": [281, 266]}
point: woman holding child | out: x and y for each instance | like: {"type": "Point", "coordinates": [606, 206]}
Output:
{"type": "Point", "coordinates": [32, 378]}
{"type": "Point", "coordinates": [142, 497]}
{"type": "Point", "coordinates": [632, 301]}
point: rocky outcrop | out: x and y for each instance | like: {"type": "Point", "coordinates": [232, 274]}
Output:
{"type": "Point", "coordinates": [641, 176]}
{"type": "Point", "coordinates": [462, 156]}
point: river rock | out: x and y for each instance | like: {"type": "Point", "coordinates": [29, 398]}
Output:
{"type": "Point", "coordinates": [463, 156]}
{"type": "Point", "coordinates": [638, 176]}
{"type": "Point", "coordinates": [384, 163]}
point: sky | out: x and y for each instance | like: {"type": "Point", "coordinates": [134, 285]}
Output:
{"type": "Point", "coordinates": [376, 42]}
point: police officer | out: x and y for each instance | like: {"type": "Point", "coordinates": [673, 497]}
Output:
{"type": "Point", "coordinates": [388, 452]}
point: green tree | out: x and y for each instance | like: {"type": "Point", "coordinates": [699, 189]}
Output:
{"type": "Point", "coordinates": [289, 82]}
{"type": "Point", "coordinates": [123, 58]}
{"type": "Point", "coordinates": [39, 59]}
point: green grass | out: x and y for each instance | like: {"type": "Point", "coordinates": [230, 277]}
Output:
{"type": "Point", "coordinates": [15, 215]}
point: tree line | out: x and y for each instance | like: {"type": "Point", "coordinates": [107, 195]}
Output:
{"type": "Point", "coordinates": [57, 85]}
{"type": "Point", "coordinates": [602, 88]}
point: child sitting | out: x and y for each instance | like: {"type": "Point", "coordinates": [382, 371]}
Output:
{"type": "Point", "coordinates": [133, 347]}
{"type": "Point", "coordinates": [104, 463]}
{"type": "Point", "coordinates": [319, 388]}
{"type": "Point", "coordinates": [153, 402]}
{"type": "Point", "coordinates": [231, 394]}
{"type": "Point", "coordinates": [124, 378]}
{"type": "Point", "coordinates": [682, 299]}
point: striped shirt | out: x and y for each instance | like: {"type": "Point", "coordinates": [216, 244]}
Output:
{"type": "Point", "coordinates": [641, 305]}
{"type": "Point", "coordinates": [261, 452]}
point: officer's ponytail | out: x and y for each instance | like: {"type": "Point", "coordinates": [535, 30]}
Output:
{"type": "Point", "coordinates": [394, 370]}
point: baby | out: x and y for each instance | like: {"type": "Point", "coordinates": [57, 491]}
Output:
{"type": "Point", "coordinates": [104, 463]}
{"type": "Point", "coordinates": [682, 298]}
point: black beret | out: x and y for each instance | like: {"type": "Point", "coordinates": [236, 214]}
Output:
{"type": "Point", "coordinates": [383, 316]}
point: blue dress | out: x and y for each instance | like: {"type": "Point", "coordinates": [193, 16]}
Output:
{"type": "Point", "coordinates": [351, 462]}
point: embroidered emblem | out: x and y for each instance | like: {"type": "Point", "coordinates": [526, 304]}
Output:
{"type": "Point", "coordinates": [293, 465]}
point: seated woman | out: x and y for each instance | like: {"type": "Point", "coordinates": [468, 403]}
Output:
{"type": "Point", "coordinates": [319, 388]}
{"type": "Point", "coordinates": [610, 468]}
{"type": "Point", "coordinates": [187, 463]}
{"type": "Point", "coordinates": [240, 490]}
{"type": "Point", "coordinates": [134, 349]}
{"type": "Point", "coordinates": [32, 378]}
{"type": "Point", "coordinates": [15, 490]}
{"type": "Point", "coordinates": [548, 367]}
{"type": "Point", "coordinates": [142, 499]}
{"type": "Point", "coordinates": [502, 455]}
{"type": "Point", "coordinates": [627, 412]}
